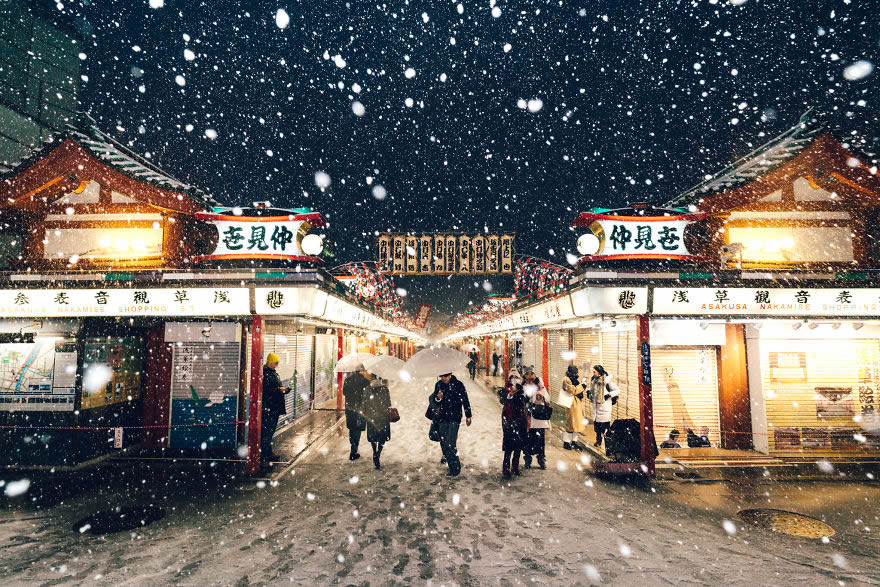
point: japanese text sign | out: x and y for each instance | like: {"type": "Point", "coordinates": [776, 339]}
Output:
{"type": "Point", "coordinates": [258, 237]}
{"type": "Point", "coordinates": [638, 237]}
{"type": "Point", "coordinates": [767, 301]}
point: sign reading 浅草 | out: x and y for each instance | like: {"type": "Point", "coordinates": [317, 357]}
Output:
{"type": "Point", "coordinates": [445, 253]}
{"type": "Point", "coordinates": [200, 301]}
{"type": "Point", "coordinates": [767, 301]}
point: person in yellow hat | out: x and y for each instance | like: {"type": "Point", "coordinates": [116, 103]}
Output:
{"type": "Point", "coordinates": [273, 407]}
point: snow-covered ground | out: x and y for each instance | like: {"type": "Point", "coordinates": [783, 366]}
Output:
{"type": "Point", "coordinates": [336, 521]}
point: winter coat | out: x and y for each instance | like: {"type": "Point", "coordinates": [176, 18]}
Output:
{"type": "Point", "coordinates": [602, 394]}
{"type": "Point", "coordinates": [574, 419]}
{"type": "Point", "coordinates": [495, 358]}
{"type": "Point", "coordinates": [455, 398]}
{"type": "Point", "coordinates": [514, 418]}
{"type": "Point", "coordinates": [354, 390]}
{"type": "Point", "coordinates": [375, 410]}
{"type": "Point", "coordinates": [474, 359]}
{"type": "Point", "coordinates": [273, 396]}
{"type": "Point", "coordinates": [536, 399]}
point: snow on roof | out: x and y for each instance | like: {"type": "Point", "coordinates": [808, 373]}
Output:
{"type": "Point", "coordinates": [113, 153]}
{"type": "Point", "coordinates": [759, 162]}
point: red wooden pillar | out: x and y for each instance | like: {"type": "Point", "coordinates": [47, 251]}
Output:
{"type": "Point", "coordinates": [506, 359]}
{"type": "Point", "coordinates": [157, 388]}
{"type": "Point", "coordinates": [255, 410]}
{"type": "Point", "coordinates": [487, 356]}
{"type": "Point", "coordinates": [339, 405]}
{"type": "Point", "coordinates": [545, 358]}
{"type": "Point", "coordinates": [646, 400]}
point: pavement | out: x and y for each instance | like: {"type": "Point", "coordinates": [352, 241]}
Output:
{"type": "Point", "coordinates": [328, 520]}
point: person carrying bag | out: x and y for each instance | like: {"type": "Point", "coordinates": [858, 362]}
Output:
{"type": "Point", "coordinates": [573, 395]}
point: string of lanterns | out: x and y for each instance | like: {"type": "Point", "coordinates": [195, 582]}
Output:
{"type": "Point", "coordinates": [369, 285]}
{"type": "Point", "coordinates": [537, 278]}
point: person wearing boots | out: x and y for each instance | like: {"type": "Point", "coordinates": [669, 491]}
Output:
{"type": "Point", "coordinates": [536, 443]}
{"type": "Point", "coordinates": [514, 426]}
{"type": "Point", "coordinates": [354, 390]}
{"type": "Point", "coordinates": [375, 406]}
{"type": "Point", "coordinates": [603, 393]}
{"type": "Point", "coordinates": [448, 401]}
{"type": "Point", "coordinates": [574, 419]}
{"type": "Point", "coordinates": [272, 407]}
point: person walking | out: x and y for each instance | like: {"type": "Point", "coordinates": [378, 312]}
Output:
{"type": "Point", "coordinates": [377, 402]}
{"type": "Point", "coordinates": [448, 400]}
{"type": "Point", "coordinates": [603, 393]}
{"type": "Point", "coordinates": [354, 389]}
{"type": "Point", "coordinates": [574, 419]}
{"type": "Point", "coordinates": [495, 359]}
{"type": "Point", "coordinates": [538, 427]}
{"type": "Point", "coordinates": [472, 365]}
{"type": "Point", "coordinates": [272, 407]}
{"type": "Point", "coordinates": [514, 426]}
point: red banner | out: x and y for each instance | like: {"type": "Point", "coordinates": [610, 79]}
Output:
{"type": "Point", "coordinates": [422, 315]}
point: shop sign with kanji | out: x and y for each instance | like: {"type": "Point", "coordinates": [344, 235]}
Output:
{"type": "Point", "coordinates": [635, 237]}
{"type": "Point", "coordinates": [260, 237]}
{"type": "Point", "coordinates": [181, 301]}
{"type": "Point", "coordinates": [722, 301]}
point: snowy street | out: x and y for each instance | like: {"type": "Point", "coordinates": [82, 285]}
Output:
{"type": "Point", "coordinates": [334, 521]}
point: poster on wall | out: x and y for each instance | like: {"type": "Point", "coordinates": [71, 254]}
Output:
{"type": "Point", "coordinates": [27, 378]}
{"type": "Point", "coordinates": [834, 402]}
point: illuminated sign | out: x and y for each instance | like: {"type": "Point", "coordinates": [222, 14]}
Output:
{"type": "Point", "coordinates": [202, 301]}
{"type": "Point", "coordinates": [422, 315]}
{"type": "Point", "coordinates": [445, 254]}
{"type": "Point", "coordinates": [736, 301]}
{"type": "Point", "coordinates": [249, 236]}
{"type": "Point", "coordinates": [634, 237]}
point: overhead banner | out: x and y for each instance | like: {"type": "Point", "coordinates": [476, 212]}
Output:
{"type": "Point", "coordinates": [260, 237]}
{"type": "Point", "coordinates": [634, 237]}
{"type": "Point", "coordinates": [202, 301]}
{"type": "Point", "coordinates": [445, 254]}
{"type": "Point", "coordinates": [735, 301]}
{"type": "Point", "coordinates": [422, 315]}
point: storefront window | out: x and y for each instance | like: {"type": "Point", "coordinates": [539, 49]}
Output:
{"type": "Point", "coordinates": [112, 370]}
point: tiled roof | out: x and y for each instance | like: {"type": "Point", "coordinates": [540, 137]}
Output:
{"type": "Point", "coordinates": [114, 154]}
{"type": "Point", "coordinates": [759, 162]}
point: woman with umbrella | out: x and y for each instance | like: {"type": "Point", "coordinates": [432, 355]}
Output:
{"type": "Point", "coordinates": [375, 407]}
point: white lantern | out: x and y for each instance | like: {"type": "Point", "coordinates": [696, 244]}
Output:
{"type": "Point", "coordinates": [588, 244]}
{"type": "Point", "coordinates": [312, 244]}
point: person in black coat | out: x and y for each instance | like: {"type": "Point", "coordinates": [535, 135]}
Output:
{"type": "Point", "coordinates": [375, 407]}
{"type": "Point", "coordinates": [472, 366]}
{"type": "Point", "coordinates": [448, 400]}
{"type": "Point", "coordinates": [514, 426]}
{"type": "Point", "coordinates": [272, 407]}
{"type": "Point", "coordinates": [354, 390]}
{"type": "Point", "coordinates": [496, 358]}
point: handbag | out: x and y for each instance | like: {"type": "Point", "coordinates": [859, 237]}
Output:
{"type": "Point", "coordinates": [393, 415]}
{"type": "Point", "coordinates": [434, 432]}
{"type": "Point", "coordinates": [541, 412]}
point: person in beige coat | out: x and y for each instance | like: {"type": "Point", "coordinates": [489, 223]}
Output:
{"type": "Point", "coordinates": [573, 389]}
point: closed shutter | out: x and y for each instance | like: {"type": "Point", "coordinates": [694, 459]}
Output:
{"type": "Point", "coordinates": [587, 349]}
{"type": "Point", "coordinates": [819, 391]}
{"type": "Point", "coordinates": [295, 370]}
{"type": "Point", "coordinates": [685, 392]}
{"type": "Point", "coordinates": [619, 356]}
{"type": "Point", "coordinates": [532, 351]}
{"type": "Point", "coordinates": [557, 345]}
{"type": "Point", "coordinates": [325, 360]}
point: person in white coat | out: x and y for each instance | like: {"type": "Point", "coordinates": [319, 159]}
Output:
{"type": "Point", "coordinates": [603, 393]}
{"type": "Point", "coordinates": [535, 446]}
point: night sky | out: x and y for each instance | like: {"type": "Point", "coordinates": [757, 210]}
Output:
{"type": "Point", "coordinates": [638, 101]}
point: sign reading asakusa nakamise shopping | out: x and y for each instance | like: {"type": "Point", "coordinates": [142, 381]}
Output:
{"type": "Point", "coordinates": [634, 237]}
{"type": "Point", "coordinates": [201, 301]}
{"type": "Point", "coordinates": [721, 301]}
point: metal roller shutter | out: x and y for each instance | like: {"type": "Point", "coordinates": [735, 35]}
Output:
{"type": "Point", "coordinates": [295, 370]}
{"type": "Point", "coordinates": [816, 390]}
{"type": "Point", "coordinates": [619, 356]}
{"type": "Point", "coordinates": [532, 351]}
{"type": "Point", "coordinates": [557, 344]}
{"type": "Point", "coordinates": [325, 360]}
{"type": "Point", "coordinates": [587, 348]}
{"type": "Point", "coordinates": [685, 392]}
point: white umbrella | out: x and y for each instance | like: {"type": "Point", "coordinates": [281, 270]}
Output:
{"type": "Point", "coordinates": [387, 367]}
{"type": "Point", "coordinates": [435, 361]}
{"type": "Point", "coordinates": [352, 362]}
{"type": "Point", "coordinates": [470, 347]}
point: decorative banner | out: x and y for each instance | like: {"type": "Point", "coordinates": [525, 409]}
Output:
{"type": "Point", "coordinates": [735, 301]}
{"type": "Point", "coordinates": [383, 253]}
{"type": "Point", "coordinates": [443, 254]}
{"type": "Point", "coordinates": [261, 237]}
{"type": "Point", "coordinates": [634, 237]}
{"type": "Point", "coordinates": [219, 301]}
{"type": "Point", "coordinates": [422, 315]}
